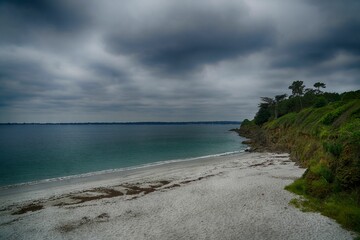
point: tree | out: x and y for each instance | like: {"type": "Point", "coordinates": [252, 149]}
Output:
{"type": "Point", "coordinates": [309, 91]}
{"type": "Point", "coordinates": [272, 103]}
{"type": "Point", "coordinates": [278, 98]}
{"type": "Point", "coordinates": [297, 88]}
{"type": "Point", "coordinates": [264, 113]}
{"type": "Point", "coordinates": [268, 101]}
{"type": "Point", "coordinates": [320, 102]}
{"type": "Point", "coordinates": [319, 85]}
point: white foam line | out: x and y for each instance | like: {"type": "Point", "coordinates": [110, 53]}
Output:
{"type": "Point", "coordinates": [117, 170]}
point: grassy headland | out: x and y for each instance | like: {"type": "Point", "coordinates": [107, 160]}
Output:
{"type": "Point", "coordinates": [321, 131]}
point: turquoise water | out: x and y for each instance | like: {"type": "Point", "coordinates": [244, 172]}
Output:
{"type": "Point", "coordinates": [38, 152]}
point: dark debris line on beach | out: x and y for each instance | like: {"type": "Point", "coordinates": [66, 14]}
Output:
{"type": "Point", "coordinates": [134, 190]}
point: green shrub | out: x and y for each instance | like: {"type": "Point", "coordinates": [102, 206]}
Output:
{"type": "Point", "coordinates": [331, 97]}
{"type": "Point", "coordinates": [356, 113]}
{"type": "Point", "coordinates": [246, 122]}
{"type": "Point", "coordinates": [350, 95]}
{"type": "Point", "coordinates": [330, 117]}
{"type": "Point", "coordinates": [350, 132]}
{"type": "Point", "coordinates": [345, 209]}
{"type": "Point", "coordinates": [337, 186]}
{"type": "Point", "coordinates": [333, 148]}
{"type": "Point", "coordinates": [340, 108]}
{"type": "Point", "coordinates": [320, 102]}
{"type": "Point", "coordinates": [284, 121]}
{"type": "Point", "coordinates": [323, 171]}
{"type": "Point", "coordinates": [341, 207]}
{"type": "Point", "coordinates": [262, 116]}
{"type": "Point", "coordinates": [319, 188]}
{"type": "Point", "coordinates": [348, 176]}
{"type": "Point", "coordinates": [298, 186]}
{"type": "Point", "coordinates": [355, 138]}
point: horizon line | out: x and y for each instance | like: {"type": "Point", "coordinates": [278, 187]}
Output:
{"type": "Point", "coordinates": [121, 123]}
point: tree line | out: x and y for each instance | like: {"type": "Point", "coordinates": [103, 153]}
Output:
{"type": "Point", "coordinates": [301, 97]}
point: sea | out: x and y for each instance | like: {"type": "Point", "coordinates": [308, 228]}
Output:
{"type": "Point", "coordinates": [51, 152]}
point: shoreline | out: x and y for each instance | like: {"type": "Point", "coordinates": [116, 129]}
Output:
{"type": "Point", "coordinates": [62, 181]}
{"type": "Point", "coordinates": [237, 196]}
{"type": "Point", "coordinates": [113, 170]}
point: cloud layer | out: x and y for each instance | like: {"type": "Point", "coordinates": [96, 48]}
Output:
{"type": "Point", "coordinates": [160, 60]}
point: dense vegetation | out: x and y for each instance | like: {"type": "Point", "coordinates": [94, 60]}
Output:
{"type": "Point", "coordinates": [322, 133]}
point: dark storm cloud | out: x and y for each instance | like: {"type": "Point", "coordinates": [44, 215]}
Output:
{"type": "Point", "coordinates": [168, 60]}
{"type": "Point", "coordinates": [339, 33]}
{"type": "Point", "coordinates": [344, 38]}
{"type": "Point", "coordinates": [109, 72]}
{"type": "Point", "coordinates": [22, 80]}
{"type": "Point", "coordinates": [21, 19]}
{"type": "Point", "coordinates": [193, 37]}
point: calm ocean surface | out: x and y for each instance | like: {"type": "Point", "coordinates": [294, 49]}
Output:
{"type": "Point", "coordinates": [38, 152]}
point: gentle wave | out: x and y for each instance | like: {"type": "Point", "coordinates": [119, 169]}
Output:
{"type": "Point", "coordinates": [117, 170]}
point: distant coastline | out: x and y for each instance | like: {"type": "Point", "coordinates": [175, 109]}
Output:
{"type": "Point", "coordinates": [127, 123]}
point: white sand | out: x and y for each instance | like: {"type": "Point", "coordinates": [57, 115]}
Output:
{"type": "Point", "coordinates": [231, 197]}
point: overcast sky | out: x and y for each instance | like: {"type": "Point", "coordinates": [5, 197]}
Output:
{"type": "Point", "coordinates": [163, 60]}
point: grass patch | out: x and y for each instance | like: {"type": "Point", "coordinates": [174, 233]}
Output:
{"type": "Point", "coordinates": [343, 207]}
{"type": "Point", "coordinates": [297, 187]}
{"type": "Point", "coordinates": [322, 171]}
{"type": "Point", "coordinates": [303, 204]}
{"type": "Point", "coordinates": [333, 148]}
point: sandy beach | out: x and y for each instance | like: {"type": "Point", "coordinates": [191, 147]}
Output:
{"type": "Point", "coordinates": [238, 196]}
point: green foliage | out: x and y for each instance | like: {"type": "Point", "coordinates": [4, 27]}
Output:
{"type": "Point", "coordinates": [309, 99]}
{"type": "Point", "coordinates": [320, 102]}
{"type": "Point", "coordinates": [350, 95]}
{"type": "Point", "coordinates": [344, 109]}
{"type": "Point", "coordinates": [262, 116]}
{"type": "Point", "coordinates": [319, 188]}
{"type": "Point", "coordinates": [279, 98]}
{"type": "Point", "coordinates": [291, 106]}
{"type": "Point", "coordinates": [350, 131]}
{"type": "Point", "coordinates": [343, 207]}
{"type": "Point", "coordinates": [323, 171]}
{"type": "Point", "coordinates": [331, 97]}
{"type": "Point", "coordinates": [319, 85]}
{"type": "Point", "coordinates": [298, 187]}
{"type": "Point", "coordinates": [280, 106]}
{"type": "Point", "coordinates": [333, 148]}
{"type": "Point", "coordinates": [356, 113]}
{"type": "Point", "coordinates": [333, 175]}
{"type": "Point", "coordinates": [297, 88]}
{"type": "Point", "coordinates": [285, 121]}
{"type": "Point", "coordinates": [330, 117]}
{"type": "Point", "coordinates": [246, 122]}
{"type": "Point", "coordinates": [322, 132]}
